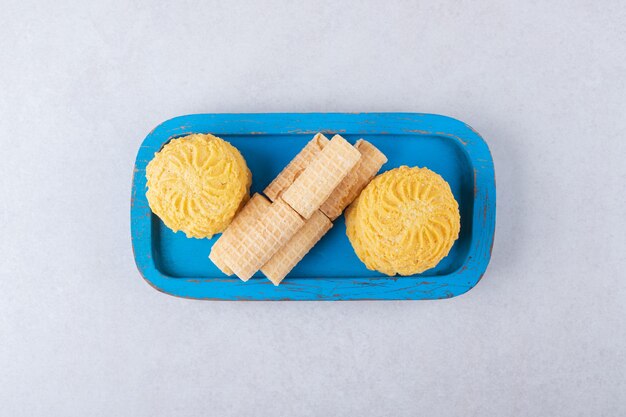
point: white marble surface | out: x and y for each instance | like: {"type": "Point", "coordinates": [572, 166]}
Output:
{"type": "Point", "coordinates": [544, 333]}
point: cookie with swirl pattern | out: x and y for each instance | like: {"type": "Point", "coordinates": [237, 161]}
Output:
{"type": "Point", "coordinates": [404, 222]}
{"type": "Point", "coordinates": [197, 183]}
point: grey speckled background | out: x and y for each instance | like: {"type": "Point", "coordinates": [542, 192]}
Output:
{"type": "Point", "coordinates": [544, 333]}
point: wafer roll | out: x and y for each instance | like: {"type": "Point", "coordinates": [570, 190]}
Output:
{"type": "Point", "coordinates": [217, 258]}
{"type": "Point", "coordinates": [296, 166]}
{"type": "Point", "coordinates": [235, 231]}
{"type": "Point", "coordinates": [319, 179]}
{"type": "Point", "coordinates": [368, 166]}
{"type": "Point", "coordinates": [300, 244]}
{"type": "Point", "coordinates": [261, 240]}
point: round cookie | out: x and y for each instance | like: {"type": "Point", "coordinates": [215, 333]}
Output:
{"type": "Point", "coordinates": [404, 222]}
{"type": "Point", "coordinates": [197, 183]}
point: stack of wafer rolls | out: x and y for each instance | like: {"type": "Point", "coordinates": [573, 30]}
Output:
{"type": "Point", "coordinates": [312, 190]}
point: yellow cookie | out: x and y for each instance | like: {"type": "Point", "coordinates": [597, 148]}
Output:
{"type": "Point", "coordinates": [404, 222]}
{"type": "Point", "coordinates": [197, 183]}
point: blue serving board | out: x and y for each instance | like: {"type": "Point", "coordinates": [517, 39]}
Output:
{"type": "Point", "coordinates": [177, 265]}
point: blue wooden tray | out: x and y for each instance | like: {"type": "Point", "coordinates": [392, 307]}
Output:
{"type": "Point", "coordinates": [176, 265]}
